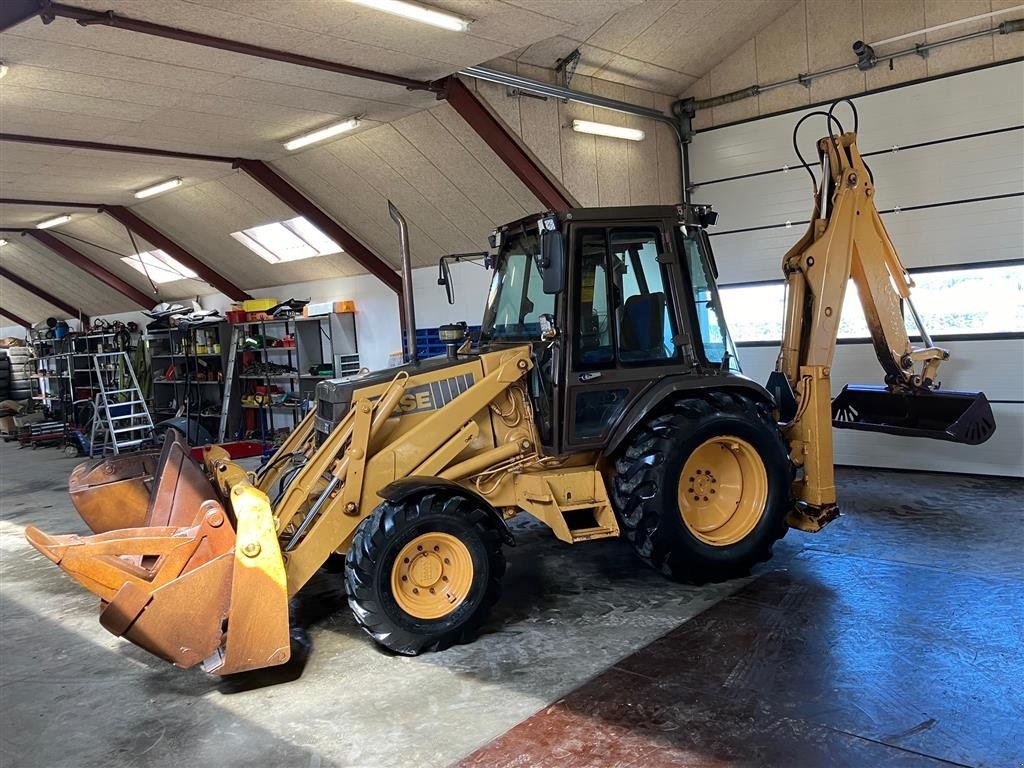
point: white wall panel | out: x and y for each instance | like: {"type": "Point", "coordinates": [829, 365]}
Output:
{"type": "Point", "coordinates": [989, 230]}
{"type": "Point", "coordinates": [972, 168]}
{"type": "Point", "coordinates": [967, 103]}
{"type": "Point", "coordinates": [993, 367]}
{"type": "Point", "coordinates": [962, 233]}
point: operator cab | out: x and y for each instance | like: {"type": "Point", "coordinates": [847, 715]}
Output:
{"type": "Point", "coordinates": [613, 301]}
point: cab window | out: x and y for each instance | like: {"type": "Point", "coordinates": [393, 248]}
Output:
{"type": "Point", "coordinates": [644, 327]}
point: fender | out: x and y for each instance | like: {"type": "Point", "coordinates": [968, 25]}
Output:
{"type": "Point", "coordinates": [681, 384]}
{"type": "Point", "coordinates": [417, 485]}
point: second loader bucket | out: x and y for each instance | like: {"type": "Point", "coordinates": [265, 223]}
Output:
{"type": "Point", "coordinates": [114, 492]}
{"type": "Point", "coordinates": [201, 580]}
{"type": "Point", "coordinates": [958, 417]}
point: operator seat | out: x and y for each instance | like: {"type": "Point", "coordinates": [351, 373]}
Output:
{"type": "Point", "coordinates": [642, 327]}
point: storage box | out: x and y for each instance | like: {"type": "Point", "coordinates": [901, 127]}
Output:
{"type": "Point", "coordinates": [259, 305]}
{"type": "Point", "coordinates": [326, 307]}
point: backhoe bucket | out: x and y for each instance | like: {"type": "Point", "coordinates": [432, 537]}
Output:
{"type": "Point", "coordinates": [958, 417]}
{"type": "Point", "coordinates": [201, 580]}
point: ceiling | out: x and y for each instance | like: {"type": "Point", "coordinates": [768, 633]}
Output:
{"type": "Point", "coordinates": [102, 84]}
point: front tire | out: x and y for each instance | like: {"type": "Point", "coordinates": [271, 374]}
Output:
{"type": "Point", "coordinates": [703, 491]}
{"type": "Point", "coordinates": [423, 573]}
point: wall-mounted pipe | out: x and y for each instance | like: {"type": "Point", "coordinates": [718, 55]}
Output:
{"type": "Point", "coordinates": [540, 88]}
{"type": "Point", "coordinates": [409, 304]}
{"type": "Point", "coordinates": [867, 58]}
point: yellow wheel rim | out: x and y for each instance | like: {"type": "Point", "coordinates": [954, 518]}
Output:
{"type": "Point", "coordinates": [432, 575]}
{"type": "Point", "coordinates": [723, 490]}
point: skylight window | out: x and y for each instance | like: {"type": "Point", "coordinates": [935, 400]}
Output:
{"type": "Point", "coordinates": [159, 267]}
{"type": "Point", "coordinates": [289, 240]}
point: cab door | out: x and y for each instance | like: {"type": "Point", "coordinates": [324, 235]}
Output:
{"type": "Point", "coordinates": [622, 328]}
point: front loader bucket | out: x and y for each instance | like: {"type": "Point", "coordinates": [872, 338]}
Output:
{"type": "Point", "coordinates": [114, 492]}
{"type": "Point", "coordinates": [202, 581]}
{"type": "Point", "coordinates": [958, 417]}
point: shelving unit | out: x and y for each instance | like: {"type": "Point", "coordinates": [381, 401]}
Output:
{"type": "Point", "coordinates": [66, 376]}
{"type": "Point", "coordinates": [187, 373]}
{"type": "Point", "coordinates": [262, 377]}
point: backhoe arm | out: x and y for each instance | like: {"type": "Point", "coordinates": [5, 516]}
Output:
{"type": "Point", "coordinates": [847, 239]}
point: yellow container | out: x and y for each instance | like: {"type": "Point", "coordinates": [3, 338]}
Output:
{"type": "Point", "coordinates": [259, 305]}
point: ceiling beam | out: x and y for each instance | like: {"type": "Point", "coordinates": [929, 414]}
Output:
{"type": "Point", "coordinates": [47, 203]}
{"type": "Point", "coordinates": [49, 298]}
{"type": "Point", "coordinates": [87, 17]}
{"type": "Point", "coordinates": [152, 235]}
{"type": "Point", "coordinates": [16, 11]}
{"type": "Point", "coordinates": [302, 205]}
{"type": "Point", "coordinates": [49, 141]}
{"type": "Point", "coordinates": [86, 264]}
{"type": "Point", "coordinates": [506, 146]}
{"type": "Point", "coordinates": [18, 320]}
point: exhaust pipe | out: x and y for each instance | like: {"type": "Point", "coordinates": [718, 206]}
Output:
{"type": "Point", "coordinates": [410, 305]}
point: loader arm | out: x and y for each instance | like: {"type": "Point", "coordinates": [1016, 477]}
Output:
{"type": "Point", "coordinates": [846, 239]}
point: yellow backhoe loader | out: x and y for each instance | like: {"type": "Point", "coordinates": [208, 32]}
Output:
{"type": "Point", "coordinates": [603, 398]}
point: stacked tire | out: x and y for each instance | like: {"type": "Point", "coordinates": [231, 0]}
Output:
{"type": "Point", "coordinates": [5, 375]}
{"type": "Point", "coordinates": [22, 365]}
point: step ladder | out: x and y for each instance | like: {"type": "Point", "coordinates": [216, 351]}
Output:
{"type": "Point", "coordinates": [122, 419]}
{"type": "Point", "coordinates": [229, 381]}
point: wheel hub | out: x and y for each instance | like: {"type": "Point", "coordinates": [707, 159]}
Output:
{"type": "Point", "coordinates": [425, 569]}
{"type": "Point", "coordinates": [723, 490]}
{"type": "Point", "coordinates": [432, 575]}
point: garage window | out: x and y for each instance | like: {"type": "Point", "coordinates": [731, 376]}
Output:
{"type": "Point", "coordinates": [958, 302]}
{"type": "Point", "coordinates": [951, 302]}
{"type": "Point", "coordinates": [158, 266]}
{"type": "Point", "coordinates": [289, 240]}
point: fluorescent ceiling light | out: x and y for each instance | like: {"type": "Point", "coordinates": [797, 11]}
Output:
{"type": "Point", "coordinates": [420, 13]}
{"type": "Point", "coordinates": [2, 242]}
{"type": "Point", "coordinates": [323, 133]}
{"type": "Point", "coordinates": [156, 189]}
{"type": "Point", "coordinates": [603, 129]}
{"type": "Point", "coordinates": [289, 240]}
{"type": "Point", "coordinates": [159, 267]}
{"type": "Point", "coordinates": [3, 69]}
{"type": "Point", "coordinates": [53, 222]}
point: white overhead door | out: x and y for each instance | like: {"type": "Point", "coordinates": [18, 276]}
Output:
{"type": "Point", "coordinates": [947, 156]}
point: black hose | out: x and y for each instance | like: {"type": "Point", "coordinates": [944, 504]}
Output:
{"type": "Point", "coordinates": [856, 127]}
{"type": "Point", "coordinates": [830, 118]}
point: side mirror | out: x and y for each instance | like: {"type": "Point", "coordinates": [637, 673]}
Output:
{"type": "Point", "coordinates": [552, 261]}
{"type": "Point", "coordinates": [444, 277]}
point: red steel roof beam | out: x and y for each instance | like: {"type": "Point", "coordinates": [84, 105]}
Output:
{"type": "Point", "coordinates": [87, 17]}
{"type": "Point", "coordinates": [506, 146]}
{"type": "Point", "coordinates": [18, 320]}
{"type": "Point", "coordinates": [14, 12]}
{"type": "Point", "coordinates": [49, 298]}
{"type": "Point", "coordinates": [86, 264]}
{"type": "Point", "coordinates": [303, 206]}
{"type": "Point", "coordinates": [152, 235]}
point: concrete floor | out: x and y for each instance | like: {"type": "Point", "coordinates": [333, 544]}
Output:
{"type": "Point", "coordinates": [72, 695]}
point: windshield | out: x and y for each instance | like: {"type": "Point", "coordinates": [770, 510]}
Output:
{"type": "Point", "coordinates": [516, 299]}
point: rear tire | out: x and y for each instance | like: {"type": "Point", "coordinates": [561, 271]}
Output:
{"type": "Point", "coordinates": [725, 513]}
{"type": "Point", "coordinates": [423, 573]}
